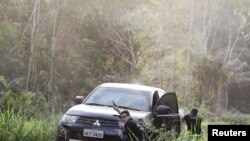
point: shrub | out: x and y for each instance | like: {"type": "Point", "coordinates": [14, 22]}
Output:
{"type": "Point", "coordinates": [16, 127]}
{"type": "Point", "coordinates": [3, 83]}
{"type": "Point", "coordinates": [161, 134]}
{"type": "Point", "coordinates": [29, 104]}
{"type": "Point", "coordinates": [234, 117]}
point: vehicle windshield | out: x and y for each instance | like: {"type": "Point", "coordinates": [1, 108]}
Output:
{"type": "Point", "coordinates": [124, 98]}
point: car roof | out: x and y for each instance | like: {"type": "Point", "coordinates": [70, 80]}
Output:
{"type": "Point", "coordinates": [138, 87]}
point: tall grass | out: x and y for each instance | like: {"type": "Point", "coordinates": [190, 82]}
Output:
{"type": "Point", "coordinates": [15, 127]}
{"type": "Point", "coordinates": [161, 134]}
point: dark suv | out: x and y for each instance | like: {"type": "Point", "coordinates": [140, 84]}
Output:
{"type": "Point", "coordinates": [95, 119]}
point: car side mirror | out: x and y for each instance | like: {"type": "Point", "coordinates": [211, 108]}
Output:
{"type": "Point", "coordinates": [79, 99]}
{"type": "Point", "coordinates": [162, 110]}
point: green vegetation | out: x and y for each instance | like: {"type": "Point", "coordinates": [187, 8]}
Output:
{"type": "Point", "coordinates": [63, 48]}
{"type": "Point", "coordinates": [24, 116]}
{"type": "Point", "coordinates": [29, 104]}
{"type": "Point", "coordinates": [17, 127]}
{"type": "Point", "coordinates": [163, 135]}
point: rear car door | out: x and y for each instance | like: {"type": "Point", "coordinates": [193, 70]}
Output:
{"type": "Point", "coordinates": [166, 113]}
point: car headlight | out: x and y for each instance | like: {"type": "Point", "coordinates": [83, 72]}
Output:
{"type": "Point", "coordinates": [70, 118]}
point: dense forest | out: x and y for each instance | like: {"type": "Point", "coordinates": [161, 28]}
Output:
{"type": "Point", "coordinates": [57, 49]}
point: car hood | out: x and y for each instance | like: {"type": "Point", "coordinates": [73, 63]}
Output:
{"type": "Point", "coordinates": [103, 112]}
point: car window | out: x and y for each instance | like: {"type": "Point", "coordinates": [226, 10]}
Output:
{"type": "Point", "coordinates": [133, 99]}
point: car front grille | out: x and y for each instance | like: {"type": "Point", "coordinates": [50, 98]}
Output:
{"type": "Point", "coordinates": [102, 122]}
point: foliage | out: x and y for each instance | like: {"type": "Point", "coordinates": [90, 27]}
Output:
{"type": "Point", "coordinates": [52, 51]}
{"type": "Point", "coordinates": [207, 74]}
{"type": "Point", "coordinates": [65, 48]}
{"type": "Point", "coordinates": [162, 135]}
{"type": "Point", "coordinates": [235, 118]}
{"type": "Point", "coordinates": [17, 127]}
{"type": "Point", "coordinates": [3, 83]}
{"type": "Point", "coordinates": [30, 104]}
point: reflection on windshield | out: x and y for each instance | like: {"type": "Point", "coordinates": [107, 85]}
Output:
{"type": "Point", "coordinates": [131, 99]}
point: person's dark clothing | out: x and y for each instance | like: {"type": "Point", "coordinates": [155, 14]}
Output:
{"type": "Point", "coordinates": [132, 131]}
{"type": "Point", "coordinates": [193, 124]}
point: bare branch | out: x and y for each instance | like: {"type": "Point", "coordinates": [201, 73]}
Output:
{"type": "Point", "coordinates": [214, 38]}
{"type": "Point", "coordinates": [229, 41]}
{"type": "Point", "coordinates": [53, 46]}
{"type": "Point", "coordinates": [122, 45]}
{"type": "Point", "coordinates": [242, 48]}
{"type": "Point", "coordinates": [32, 44]}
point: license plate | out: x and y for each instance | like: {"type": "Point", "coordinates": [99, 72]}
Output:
{"type": "Point", "coordinates": [93, 133]}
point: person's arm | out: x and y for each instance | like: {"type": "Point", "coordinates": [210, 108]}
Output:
{"type": "Point", "coordinates": [124, 135]}
{"type": "Point", "coordinates": [134, 130]}
{"type": "Point", "coordinates": [188, 122]}
{"type": "Point", "coordinates": [116, 108]}
{"type": "Point", "coordinates": [186, 116]}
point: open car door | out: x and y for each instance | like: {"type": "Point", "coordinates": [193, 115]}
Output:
{"type": "Point", "coordinates": [166, 113]}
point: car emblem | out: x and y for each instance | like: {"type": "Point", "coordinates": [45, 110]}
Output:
{"type": "Point", "coordinates": [97, 123]}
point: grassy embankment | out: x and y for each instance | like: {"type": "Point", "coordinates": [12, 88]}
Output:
{"type": "Point", "coordinates": [16, 127]}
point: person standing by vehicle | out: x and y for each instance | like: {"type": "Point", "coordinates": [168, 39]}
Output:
{"type": "Point", "coordinates": [131, 131]}
{"type": "Point", "coordinates": [193, 122]}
